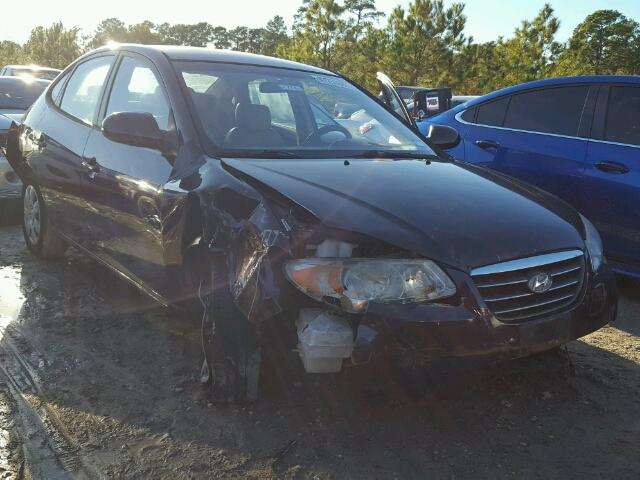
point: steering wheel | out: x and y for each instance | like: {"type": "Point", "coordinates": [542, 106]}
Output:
{"type": "Point", "coordinates": [326, 129]}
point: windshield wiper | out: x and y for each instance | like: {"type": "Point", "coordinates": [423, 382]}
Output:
{"type": "Point", "coordinates": [394, 154]}
{"type": "Point", "coordinates": [259, 154]}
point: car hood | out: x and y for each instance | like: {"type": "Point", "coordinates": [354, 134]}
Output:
{"type": "Point", "coordinates": [8, 116]}
{"type": "Point", "coordinates": [454, 213]}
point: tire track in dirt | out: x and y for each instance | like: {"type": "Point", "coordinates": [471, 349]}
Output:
{"type": "Point", "coordinates": [48, 450]}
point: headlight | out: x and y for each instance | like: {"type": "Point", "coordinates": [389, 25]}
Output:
{"type": "Point", "coordinates": [593, 243]}
{"type": "Point", "coordinates": [353, 283]}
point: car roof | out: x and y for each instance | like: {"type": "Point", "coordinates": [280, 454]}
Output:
{"type": "Point", "coordinates": [205, 54]}
{"type": "Point", "coordinates": [551, 82]}
{"type": "Point", "coordinates": [33, 67]}
{"type": "Point", "coordinates": [26, 80]}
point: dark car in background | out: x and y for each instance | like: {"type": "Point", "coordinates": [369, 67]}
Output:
{"type": "Point", "coordinates": [407, 93]}
{"type": "Point", "coordinates": [205, 175]}
{"type": "Point", "coordinates": [31, 71]}
{"type": "Point", "coordinates": [576, 137]}
{"type": "Point", "coordinates": [16, 96]}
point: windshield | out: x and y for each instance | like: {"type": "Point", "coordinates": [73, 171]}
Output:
{"type": "Point", "coordinates": [245, 109]}
{"type": "Point", "coordinates": [19, 95]}
{"type": "Point", "coordinates": [35, 73]}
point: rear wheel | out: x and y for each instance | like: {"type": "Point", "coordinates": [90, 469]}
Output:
{"type": "Point", "coordinates": [231, 344]}
{"type": "Point", "coordinates": [40, 239]}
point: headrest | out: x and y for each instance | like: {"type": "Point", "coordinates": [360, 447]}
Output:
{"type": "Point", "coordinates": [254, 117]}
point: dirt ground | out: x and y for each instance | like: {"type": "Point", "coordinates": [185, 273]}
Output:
{"type": "Point", "coordinates": [96, 382]}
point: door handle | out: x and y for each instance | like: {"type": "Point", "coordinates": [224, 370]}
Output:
{"type": "Point", "coordinates": [487, 144]}
{"type": "Point", "coordinates": [612, 167]}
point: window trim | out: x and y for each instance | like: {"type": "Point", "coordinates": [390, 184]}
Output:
{"type": "Point", "coordinates": [591, 86]}
{"type": "Point", "coordinates": [64, 90]}
{"type": "Point", "coordinates": [62, 81]}
{"type": "Point", "coordinates": [106, 96]}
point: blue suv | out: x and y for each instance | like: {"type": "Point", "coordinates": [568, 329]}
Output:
{"type": "Point", "coordinates": [576, 137]}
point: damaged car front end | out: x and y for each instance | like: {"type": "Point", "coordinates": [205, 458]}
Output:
{"type": "Point", "coordinates": [252, 203]}
{"type": "Point", "coordinates": [520, 271]}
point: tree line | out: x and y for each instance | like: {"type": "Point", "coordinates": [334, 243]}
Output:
{"type": "Point", "coordinates": [424, 44]}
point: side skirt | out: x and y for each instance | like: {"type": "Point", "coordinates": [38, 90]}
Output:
{"type": "Point", "coordinates": [120, 271]}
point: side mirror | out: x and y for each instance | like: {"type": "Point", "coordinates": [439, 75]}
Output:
{"type": "Point", "coordinates": [134, 128]}
{"type": "Point", "coordinates": [443, 136]}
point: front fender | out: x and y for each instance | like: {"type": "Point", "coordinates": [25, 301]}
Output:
{"type": "Point", "coordinates": [235, 221]}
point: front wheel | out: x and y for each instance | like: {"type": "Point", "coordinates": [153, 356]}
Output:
{"type": "Point", "coordinates": [231, 344]}
{"type": "Point", "coordinates": [40, 239]}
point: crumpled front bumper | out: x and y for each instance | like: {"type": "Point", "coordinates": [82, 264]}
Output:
{"type": "Point", "coordinates": [463, 328]}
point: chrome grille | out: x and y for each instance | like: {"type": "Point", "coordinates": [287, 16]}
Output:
{"type": "Point", "coordinates": [505, 286]}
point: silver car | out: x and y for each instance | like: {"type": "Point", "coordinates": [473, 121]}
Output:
{"type": "Point", "coordinates": [16, 96]}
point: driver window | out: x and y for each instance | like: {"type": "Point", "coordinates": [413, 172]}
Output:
{"type": "Point", "coordinates": [137, 89]}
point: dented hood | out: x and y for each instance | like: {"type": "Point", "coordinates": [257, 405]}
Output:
{"type": "Point", "coordinates": [453, 213]}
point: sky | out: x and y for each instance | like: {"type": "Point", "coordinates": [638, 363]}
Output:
{"type": "Point", "coordinates": [486, 19]}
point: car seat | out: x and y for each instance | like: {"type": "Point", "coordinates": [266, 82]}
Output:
{"type": "Point", "coordinates": [253, 128]}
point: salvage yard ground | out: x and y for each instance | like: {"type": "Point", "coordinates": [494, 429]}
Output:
{"type": "Point", "coordinates": [96, 382]}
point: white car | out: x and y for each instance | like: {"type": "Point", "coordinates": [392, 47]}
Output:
{"type": "Point", "coordinates": [32, 71]}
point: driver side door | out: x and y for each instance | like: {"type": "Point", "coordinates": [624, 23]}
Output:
{"type": "Point", "coordinates": [127, 182]}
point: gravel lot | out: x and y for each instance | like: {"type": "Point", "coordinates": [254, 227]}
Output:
{"type": "Point", "coordinates": [96, 382]}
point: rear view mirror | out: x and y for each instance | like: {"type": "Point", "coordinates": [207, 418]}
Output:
{"type": "Point", "coordinates": [443, 136]}
{"type": "Point", "coordinates": [134, 128]}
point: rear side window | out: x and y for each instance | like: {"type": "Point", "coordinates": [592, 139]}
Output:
{"type": "Point", "coordinates": [57, 89]}
{"type": "Point", "coordinates": [623, 116]}
{"type": "Point", "coordinates": [82, 95]}
{"type": "Point", "coordinates": [199, 82]}
{"type": "Point", "coordinates": [492, 113]}
{"type": "Point", "coordinates": [552, 110]}
{"type": "Point", "coordinates": [469, 115]}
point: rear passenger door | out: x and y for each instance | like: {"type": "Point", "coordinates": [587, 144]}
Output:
{"type": "Point", "coordinates": [59, 138]}
{"type": "Point", "coordinates": [538, 136]}
{"type": "Point", "coordinates": [612, 177]}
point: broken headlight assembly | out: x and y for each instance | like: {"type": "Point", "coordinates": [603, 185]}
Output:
{"type": "Point", "coordinates": [352, 284]}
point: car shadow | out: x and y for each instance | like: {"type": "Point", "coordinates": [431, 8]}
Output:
{"type": "Point", "coordinates": [629, 307]}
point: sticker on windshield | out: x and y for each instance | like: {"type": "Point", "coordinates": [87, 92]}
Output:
{"type": "Point", "coordinates": [288, 87]}
{"type": "Point", "coordinates": [332, 81]}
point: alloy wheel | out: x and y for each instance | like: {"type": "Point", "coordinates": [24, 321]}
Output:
{"type": "Point", "coordinates": [32, 214]}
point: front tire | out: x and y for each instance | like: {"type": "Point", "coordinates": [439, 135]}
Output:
{"type": "Point", "coordinates": [231, 344]}
{"type": "Point", "coordinates": [38, 235]}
